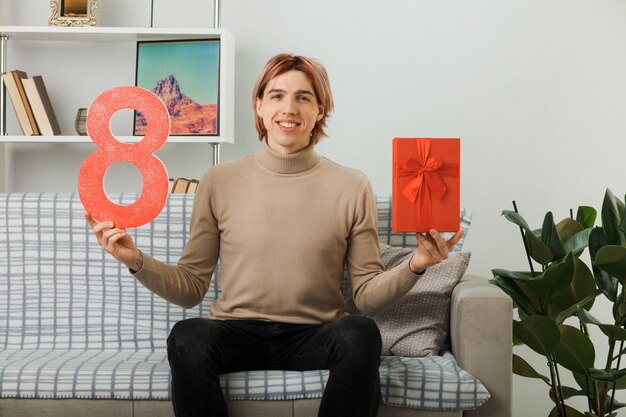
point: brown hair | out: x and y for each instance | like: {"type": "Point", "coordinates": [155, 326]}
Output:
{"type": "Point", "coordinates": [316, 74]}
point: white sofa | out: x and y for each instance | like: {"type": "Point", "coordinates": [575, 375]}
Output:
{"type": "Point", "coordinates": [79, 336]}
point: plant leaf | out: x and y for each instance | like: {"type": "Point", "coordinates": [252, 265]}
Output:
{"type": "Point", "coordinates": [517, 276]}
{"type": "Point", "coordinates": [622, 223]}
{"type": "Point", "coordinates": [581, 380]}
{"type": "Point", "coordinates": [555, 278]}
{"type": "Point", "coordinates": [620, 383]}
{"type": "Point", "coordinates": [566, 392]}
{"type": "Point", "coordinates": [563, 315]}
{"type": "Point", "coordinates": [569, 410]}
{"type": "Point", "coordinates": [612, 259]}
{"type": "Point", "coordinates": [611, 218]}
{"type": "Point", "coordinates": [523, 368]}
{"type": "Point", "coordinates": [607, 376]}
{"type": "Point", "coordinates": [581, 286]}
{"type": "Point", "coordinates": [568, 228]}
{"type": "Point", "coordinates": [536, 248]}
{"type": "Point", "coordinates": [616, 404]}
{"type": "Point", "coordinates": [550, 237]}
{"type": "Point", "coordinates": [575, 350]}
{"type": "Point", "coordinates": [569, 392]}
{"type": "Point", "coordinates": [516, 294]}
{"type": "Point", "coordinates": [608, 284]}
{"type": "Point", "coordinates": [586, 216]}
{"type": "Point", "coordinates": [578, 242]}
{"type": "Point", "coordinates": [587, 317]}
{"type": "Point", "coordinates": [517, 219]}
{"type": "Point", "coordinates": [611, 331]}
{"type": "Point", "coordinates": [538, 333]}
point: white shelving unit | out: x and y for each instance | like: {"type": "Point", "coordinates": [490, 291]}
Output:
{"type": "Point", "coordinates": [124, 35]}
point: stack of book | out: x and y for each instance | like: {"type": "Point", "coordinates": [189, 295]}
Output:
{"type": "Point", "coordinates": [31, 103]}
{"type": "Point", "coordinates": [80, 124]}
{"type": "Point", "coordinates": [183, 185]}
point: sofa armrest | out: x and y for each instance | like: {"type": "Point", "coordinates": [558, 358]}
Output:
{"type": "Point", "coordinates": [481, 318]}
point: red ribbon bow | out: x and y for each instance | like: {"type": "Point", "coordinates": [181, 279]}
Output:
{"type": "Point", "coordinates": [425, 180]}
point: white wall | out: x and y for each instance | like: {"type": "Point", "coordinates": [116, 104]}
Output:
{"type": "Point", "coordinates": [536, 89]}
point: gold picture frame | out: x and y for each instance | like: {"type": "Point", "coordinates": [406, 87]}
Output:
{"type": "Point", "coordinates": [73, 13]}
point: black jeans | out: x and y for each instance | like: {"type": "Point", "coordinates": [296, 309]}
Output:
{"type": "Point", "coordinates": [201, 349]}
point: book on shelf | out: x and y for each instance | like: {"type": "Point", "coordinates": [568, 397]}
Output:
{"type": "Point", "coordinates": [18, 104]}
{"type": "Point", "coordinates": [193, 185]}
{"type": "Point", "coordinates": [180, 185]}
{"type": "Point", "coordinates": [184, 185]}
{"type": "Point", "coordinates": [19, 77]}
{"type": "Point", "coordinates": [80, 124]}
{"type": "Point", "coordinates": [41, 106]}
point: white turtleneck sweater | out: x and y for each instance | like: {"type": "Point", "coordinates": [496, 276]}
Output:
{"type": "Point", "coordinates": [282, 226]}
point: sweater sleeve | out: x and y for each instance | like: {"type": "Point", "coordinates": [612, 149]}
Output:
{"type": "Point", "coordinates": [373, 289]}
{"type": "Point", "coordinates": [186, 283]}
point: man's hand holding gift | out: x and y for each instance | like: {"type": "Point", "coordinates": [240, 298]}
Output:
{"type": "Point", "coordinates": [432, 248]}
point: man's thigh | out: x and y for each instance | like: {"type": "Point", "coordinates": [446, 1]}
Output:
{"type": "Point", "coordinates": [321, 346]}
{"type": "Point", "coordinates": [228, 345]}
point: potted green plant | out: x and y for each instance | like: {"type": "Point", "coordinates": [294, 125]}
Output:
{"type": "Point", "coordinates": [554, 301]}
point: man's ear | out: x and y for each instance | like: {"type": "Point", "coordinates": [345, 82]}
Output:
{"type": "Point", "coordinates": [259, 111]}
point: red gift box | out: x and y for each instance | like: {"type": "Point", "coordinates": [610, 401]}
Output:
{"type": "Point", "coordinates": [426, 185]}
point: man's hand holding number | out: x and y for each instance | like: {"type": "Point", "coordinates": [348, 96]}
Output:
{"type": "Point", "coordinates": [432, 249]}
{"type": "Point", "coordinates": [116, 242]}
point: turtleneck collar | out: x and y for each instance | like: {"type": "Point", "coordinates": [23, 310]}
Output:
{"type": "Point", "coordinates": [293, 163]}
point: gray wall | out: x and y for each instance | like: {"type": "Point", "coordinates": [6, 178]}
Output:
{"type": "Point", "coordinates": [536, 89]}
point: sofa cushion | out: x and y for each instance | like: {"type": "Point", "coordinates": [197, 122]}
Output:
{"type": "Point", "coordinates": [84, 373]}
{"type": "Point", "coordinates": [418, 323]}
{"type": "Point", "coordinates": [430, 383]}
{"type": "Point", "coordinates": [434, 383]}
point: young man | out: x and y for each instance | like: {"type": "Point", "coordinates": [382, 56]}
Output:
{"type": "Point", "coordinates": [283, 223]}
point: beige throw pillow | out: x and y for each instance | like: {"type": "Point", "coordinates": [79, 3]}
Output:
{"type": "Point", "coordinates": [418, 323]}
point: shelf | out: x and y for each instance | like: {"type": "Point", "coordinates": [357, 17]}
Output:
{"type": "Point", "coordinates": [87, 139]}
{"type": "Point", "coordinates": [42, 34]}
{"type": "Point", "coordinates": [106, 34]}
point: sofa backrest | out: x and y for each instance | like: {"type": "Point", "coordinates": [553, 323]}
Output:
{"type": "Point", "coordinates": [58, 288]}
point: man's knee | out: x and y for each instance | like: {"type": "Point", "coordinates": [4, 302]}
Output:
{"type": "Point", "coordinates": [183, 331]}
{"type": "Point", "coordinates": [359, 337]}
{"type": "Point", "coordinates": [189, 340]}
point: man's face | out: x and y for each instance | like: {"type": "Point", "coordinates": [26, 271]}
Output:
{"type": "Point", "coordinates": [289, 111]}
